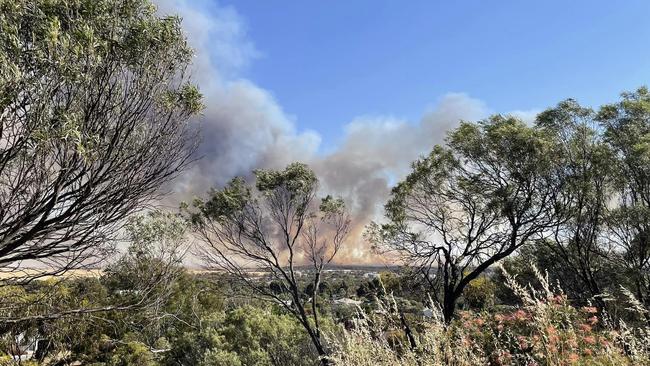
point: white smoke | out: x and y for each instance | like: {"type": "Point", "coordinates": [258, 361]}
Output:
{"type": "Point", "coordinates": [377, 152]}
{"type": "Point", "coordinates": [244, 128]}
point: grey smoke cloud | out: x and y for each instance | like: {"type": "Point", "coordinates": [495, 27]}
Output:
{"type": "Point", "coordinates": [243, 128]}
{"type": "Point", "coordinates": [376, 152]}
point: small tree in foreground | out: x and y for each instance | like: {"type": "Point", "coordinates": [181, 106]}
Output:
{"type": "Point", "coordinates": [274, 227]}
{"type": "Point", "coordinates": [94, 111]}
{"type": "Point", "coordinates": [470, 204]}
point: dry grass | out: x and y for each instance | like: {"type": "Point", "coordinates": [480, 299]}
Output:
{"type": "Point", "coordinates": [545, 330]}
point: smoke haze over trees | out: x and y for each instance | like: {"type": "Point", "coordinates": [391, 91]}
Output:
{"type": "Point", "coordinates": [244, 128]}
{"type": "Point", "coordinates": [158, 208]}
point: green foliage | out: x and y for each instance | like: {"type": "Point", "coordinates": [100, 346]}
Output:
{"type": "Point", "coordinates": [275, 226]}
{"type": "Point", "coordinates": [154, 255]}
{"type": "Point", "coordinates": [435, 168]}
{"type": "Point", "coordinates": [480, 293]}
{"type": "Point", "coordinates": [627, 131]}
{"type": "Point", "coordinates": [570, 194]}
{"type": "Point", "coordinates": [224, 204]}
{"type": "Point", "coordinates": [297, 179]}
{"type": "Point", "coordinates": [505, 146]}
{"type": "Point", "coordinates": [155, 227]}
{"type": "Point", "coordinates": [331, 206]}
{"type": "Point", "coordinates": [506, 141]}
{"type": "Point", "coordinates": [132, 354]}
{"type": "Point", "coordinates": [244, 336]}
{"type": "Point", "coordinates": [74, 39]}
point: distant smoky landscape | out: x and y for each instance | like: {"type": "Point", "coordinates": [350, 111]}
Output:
{"type": "Point", "coordinates": [192, 182]}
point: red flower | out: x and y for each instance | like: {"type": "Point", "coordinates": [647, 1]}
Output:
{"type": "Point", "coordinates": [604, 342]}
{"type": "Point", "coordinates": [573, 358]}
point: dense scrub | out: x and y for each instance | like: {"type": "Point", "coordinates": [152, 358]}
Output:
{"type": "Point", "coordinates": [204, 321]}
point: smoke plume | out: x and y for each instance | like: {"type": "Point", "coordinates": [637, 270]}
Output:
{"type": "Point", "coordinates": [244, 128]}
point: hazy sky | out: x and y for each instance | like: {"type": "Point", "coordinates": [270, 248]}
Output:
{"type": "Point", "coordinates": [327, 62]}
{"type": "Point", "coordinates": [360, 89]}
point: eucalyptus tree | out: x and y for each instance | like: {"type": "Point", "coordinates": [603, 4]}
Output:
{"type": "Point", "coordinates": [469, 204]}
{"type": "Point", "coordinates": [627, 131]}
{"type": "Point", "coordinates": [586, 163]}
{"type": "Point", "coordinates": [94, 110]}
{"type": "Point", "coordinates": [275, 226]}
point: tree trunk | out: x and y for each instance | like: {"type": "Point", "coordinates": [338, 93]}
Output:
{"type": "Point", "coordinates": [449, 305]}
{"type": "Point", "coordinates": [408, 331]}
{"type": "Point", "coordinates": [322, 354]}
{"type": "Point", "coordinates": [314, 335]}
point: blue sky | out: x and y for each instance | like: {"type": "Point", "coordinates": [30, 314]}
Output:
{"type": "Point", "coordinates": [328, 62]}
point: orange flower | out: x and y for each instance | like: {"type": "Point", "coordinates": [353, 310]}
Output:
{"type": "Point", "coordinates": [573, 358]}
{"type": "Point", "coordinates": [585, 328]}
{"type": "Point", "coordinates": [551, 329]}
{"type": "Point", "coordinates": [589, 340]}
{"type": "Point", "coordinates": [590, 309]}
{"type": "Point", "coordinates": [479, 321]}
{"type": "Point", "coordinates": [572, 343]}
{"type": "Point", "coordinates": [521, 315]}
{"type": "Point", "coordinates": [589, 352]}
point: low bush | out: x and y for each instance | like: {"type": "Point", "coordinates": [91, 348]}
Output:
{"type": "Point", "coordinates": [544, 329]}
